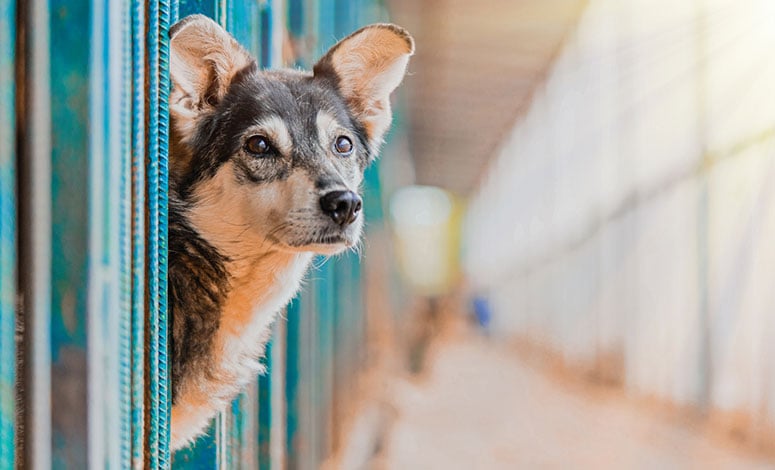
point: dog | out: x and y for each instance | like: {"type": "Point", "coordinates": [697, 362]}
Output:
{"type": "Point", "coordinates": [265, 170]}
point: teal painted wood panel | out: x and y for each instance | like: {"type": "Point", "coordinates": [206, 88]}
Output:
{"type": "Point", "coordinates": [215, 9]}
{"type": "Point", "coordinates": [323, 358]}
{"type": "Point", "coordinates": [202, 454]}
{"type": "Point", "coordinates": [243, 20]}
{"type": "Point", "coordinates": [69, 80]}
{"type": "Point", "coordinates": [292, 391]}
{"type": "Point", "coordinates": [266, 29]}
{"type": "Point", "coordinates": [7, 234]}
{"type": "Point", "coordinates": [266, 417]}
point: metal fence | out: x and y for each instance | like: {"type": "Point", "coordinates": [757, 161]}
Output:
{"type": "Point", "coordinates": [83, 227]}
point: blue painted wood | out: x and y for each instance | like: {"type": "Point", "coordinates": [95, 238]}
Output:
{"type": "Point", "coordinates": [203, 454]}
{"type": "Point", "coordinates": [323, 357]}
{"type": "Point", "coordinates": [266, 45]}
{"type": "Point", "coordinates": [212, 8]}
{"type": "Point", "coordinates": [293, 439]}
{"type": "Point", "coordinates": [7, 234]}
{"type": "Point", "coordinates": [265, 415]}
{"type": "Point", "coordinates": [242, 20]}
{"type": "Point", "coordinates": [296, 18]}
{"type": "Point", "coordinates": [345, 330]}
{"type": "Point", "coordinates": [69, 25]}
{"type": "Point", "coordinates": [309, 369]}
{"type": "Point", "coordinates": [157, 167]}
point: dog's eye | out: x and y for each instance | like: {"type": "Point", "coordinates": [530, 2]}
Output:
{"type": "Point", "coordinates": [258, 145]}
{"type": "Point", "coordinates": [343, 145]}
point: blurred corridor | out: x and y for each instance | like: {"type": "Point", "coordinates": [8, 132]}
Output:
{"type": "Point", "coordinates": [482, 407]}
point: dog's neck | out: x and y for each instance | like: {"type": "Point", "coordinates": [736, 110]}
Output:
{"type": "Point", "coordinates": [261, 285]}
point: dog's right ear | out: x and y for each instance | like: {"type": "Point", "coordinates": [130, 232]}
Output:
{"type": "Point", "coordinates": [204, 59]}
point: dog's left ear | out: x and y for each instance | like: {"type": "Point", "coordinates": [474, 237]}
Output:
{"type": "Point", "coordinates": [366, 67]}
{"type": "Point", "coordinates": [204, 59]}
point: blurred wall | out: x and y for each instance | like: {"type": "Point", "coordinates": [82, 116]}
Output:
{"type": "Point", "coordinates": [629, 218]}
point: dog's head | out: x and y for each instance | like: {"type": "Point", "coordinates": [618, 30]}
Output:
{"type": "Point", "coordinates": [277, 157]}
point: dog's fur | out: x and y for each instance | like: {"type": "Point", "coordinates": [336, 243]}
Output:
{"type": "Point", "coordinates": [243, 226]}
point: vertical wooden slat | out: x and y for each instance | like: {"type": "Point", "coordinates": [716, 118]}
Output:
{"type": "Point", "coordinates": [265, 415]}
{"type": "Point", "coordinates": [34, 229]}
{"type": "Point", "coordinates": [277, 457]}
{"type": "Point", "coordinates": [7, 234]}
{"type": "Point", "coordinates": [292, 387]}
{"type": "Point", "coordinates": [327, 306]}
{"type": "Point", "coordinates": [70, 25]}
{"type": "Point", "coordinates": [265, 46]}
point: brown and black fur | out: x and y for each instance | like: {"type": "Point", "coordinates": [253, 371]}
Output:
{"type": "Point", "coordinates": [198, 284]}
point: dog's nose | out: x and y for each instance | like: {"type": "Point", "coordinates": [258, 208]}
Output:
{"type": "Point", "coordinates": [342, 206]}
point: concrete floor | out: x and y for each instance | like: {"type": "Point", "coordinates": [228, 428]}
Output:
{"type": "Point", "coordinates": [480, 407]}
